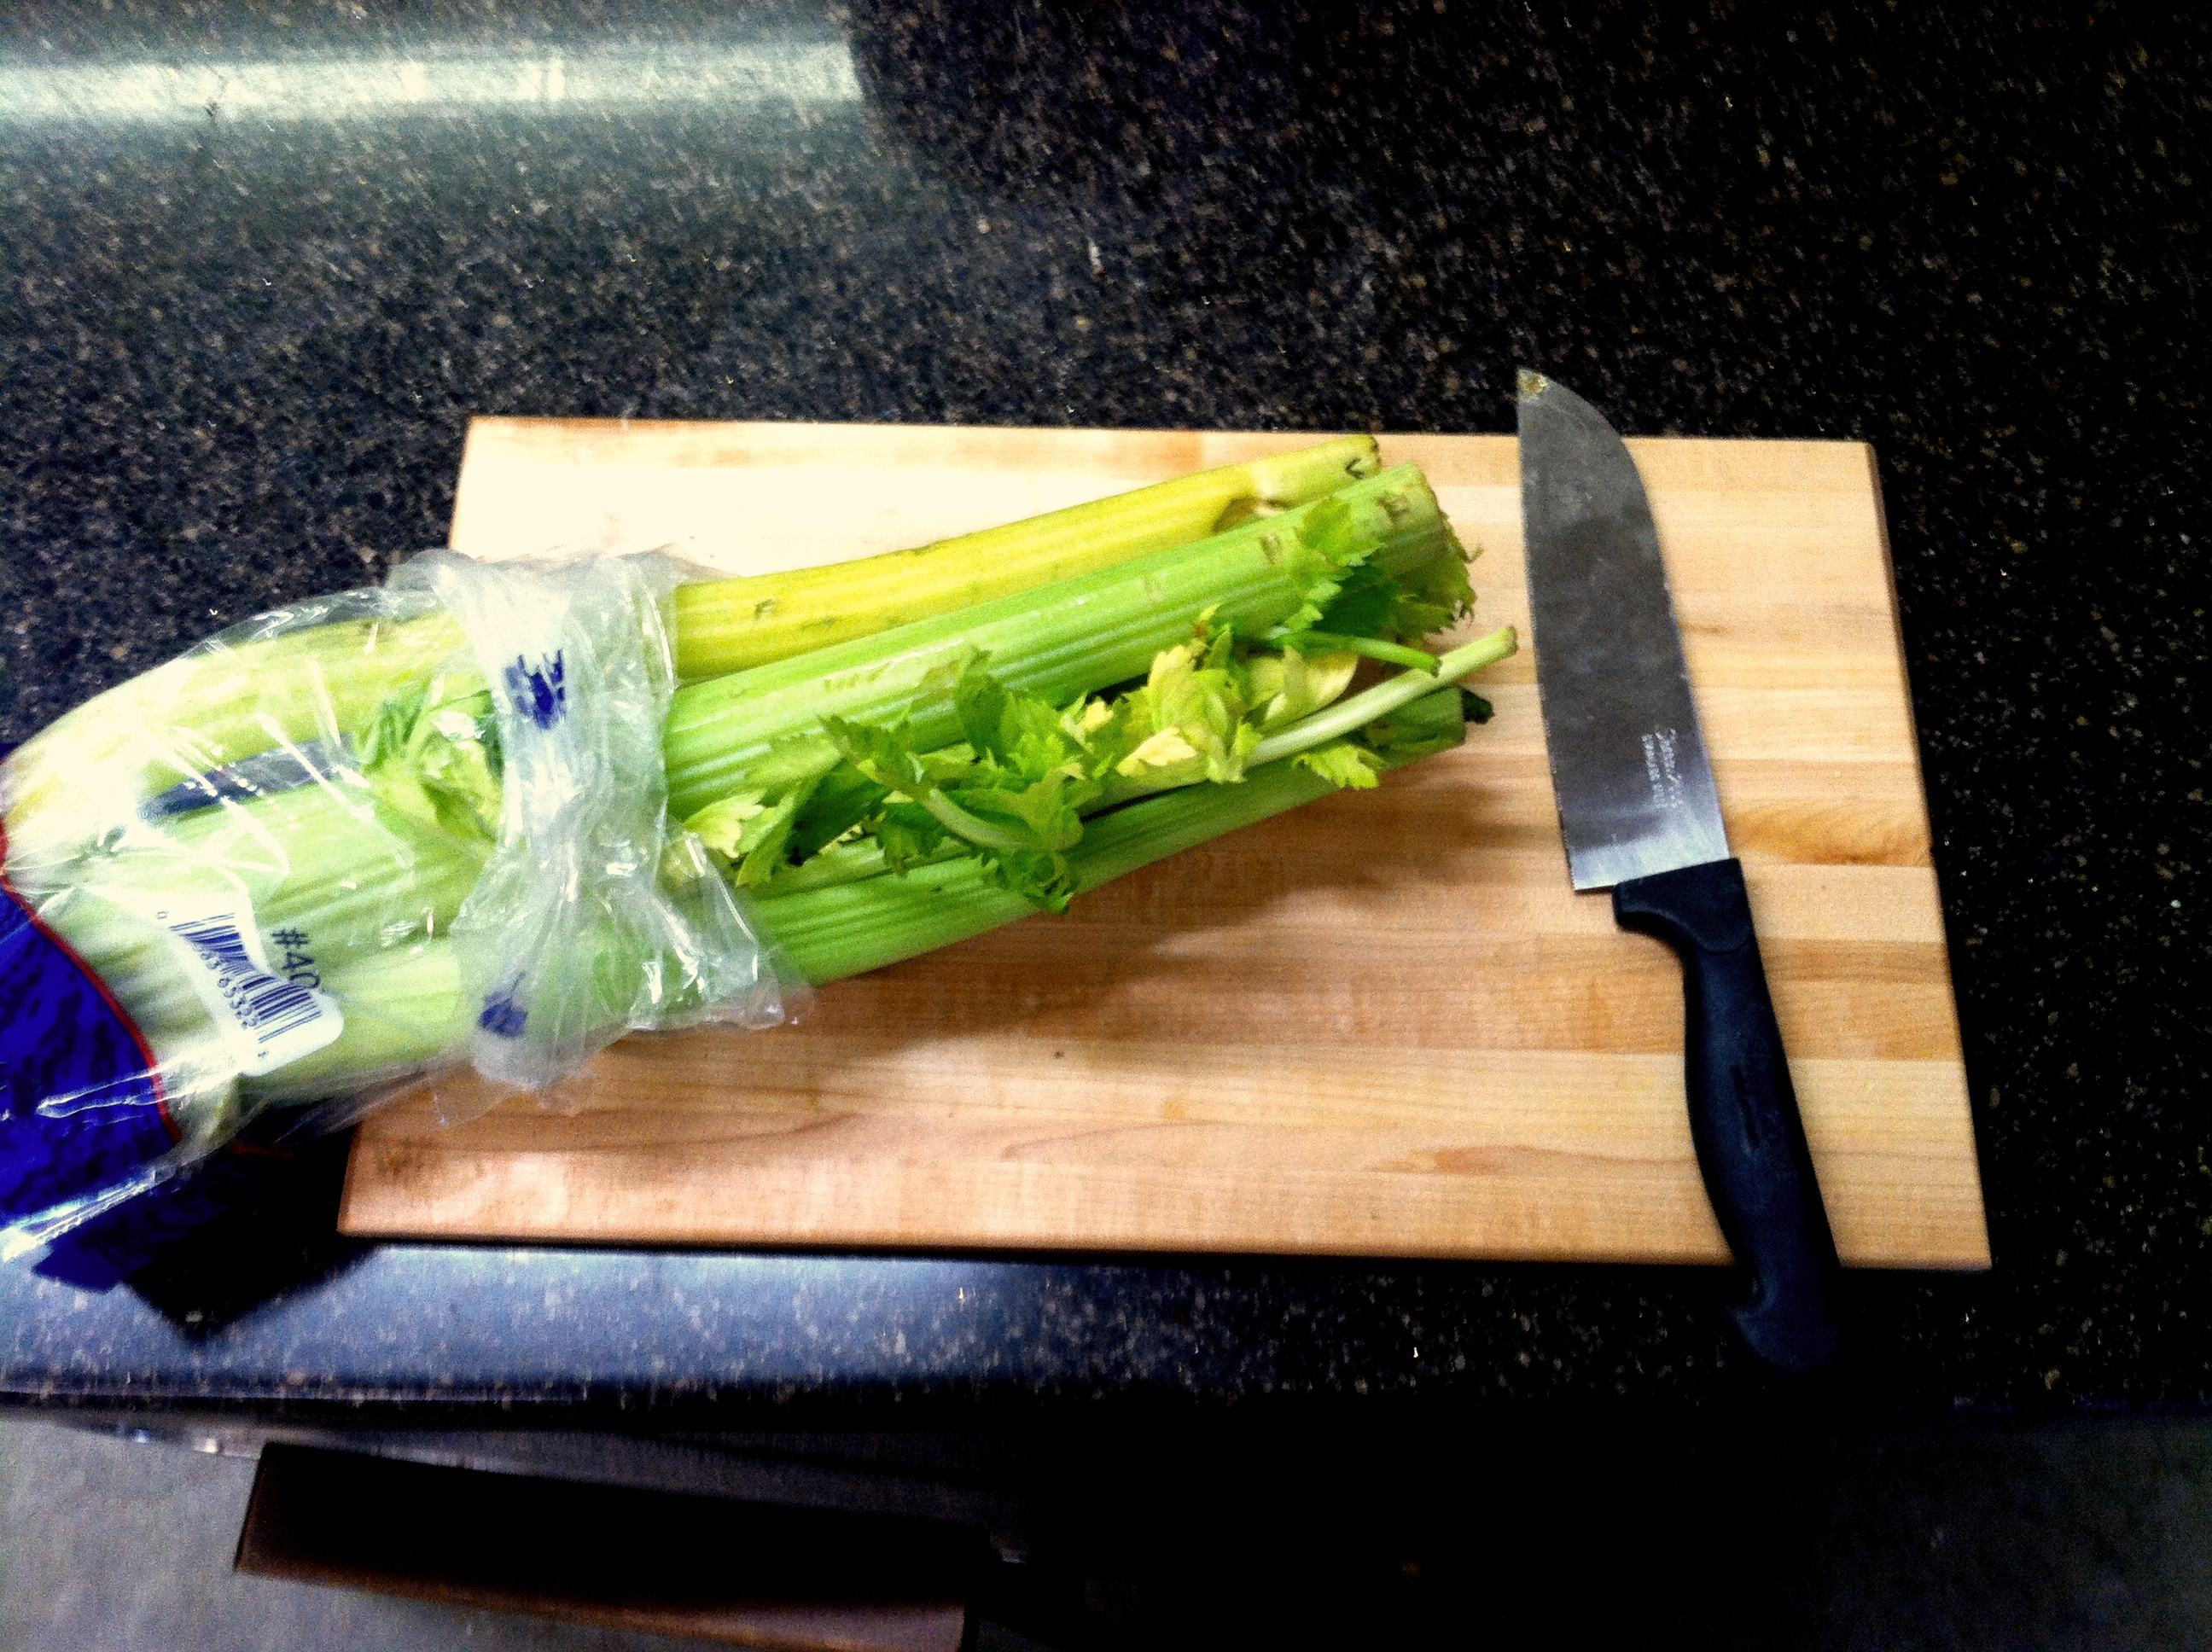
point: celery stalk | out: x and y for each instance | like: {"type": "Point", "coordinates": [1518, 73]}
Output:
{"type": "Point", "coordinates": [403, 1009]}
{"type": "Point", "coordinates": [733, 625]}
{"type": "Point", "coordinates": [761, 727]}
{"type": "Point", "coordinates": [228, 703]}
{"type": "Point", "coordinates": [1347, 715]}
{"type": "Point", "coordinates": [199, 714]}
{"type": "Point", "coordinates": [367, 872]}
{"type": "Point", "coordinates": [847, 929]}
{"type": "Point", "coordinates": [407, 1014]}
{"type": "Point", "coordinates": [202, 712]}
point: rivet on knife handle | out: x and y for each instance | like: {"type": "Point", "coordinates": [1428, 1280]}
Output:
{"type": "Point", "coordinates": [1743, 1112]}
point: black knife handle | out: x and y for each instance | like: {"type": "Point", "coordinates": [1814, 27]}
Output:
{"type": "Point", "coordinates": [1743, 1112]}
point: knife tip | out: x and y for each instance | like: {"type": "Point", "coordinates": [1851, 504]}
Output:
{"type": "Point", "coordinates": [1532, 385]}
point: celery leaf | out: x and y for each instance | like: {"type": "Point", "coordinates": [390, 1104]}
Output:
{"type": "Point", "coordinates": [841, 799]}
{"type": "Point", "coordinates": [1343, 763]}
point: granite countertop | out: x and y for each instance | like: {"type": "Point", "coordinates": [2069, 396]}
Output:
{"type": "Point", "coordinates": [264, 260]}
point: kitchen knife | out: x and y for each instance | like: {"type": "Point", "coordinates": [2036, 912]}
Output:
{"type": "Point", "coordinates": [1639, 814]}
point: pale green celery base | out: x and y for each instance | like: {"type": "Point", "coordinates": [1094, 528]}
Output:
{"type": "Point", "coordinates": [203, 711]}
{"type": "Point", "coordinates": [406, 1009]}
{"type": "Point", "coordinates": [141, 970]}
{"type": "Point", "coordinates": [363, 891]}
{"type": "Point", "coordinates": [355, 878]}
{"type": "Point", "coordinates": [403, 1010]}
{"type": "Point", "coordinates": [402, 1007]}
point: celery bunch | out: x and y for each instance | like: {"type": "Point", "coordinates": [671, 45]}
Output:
{"type": "Point", "coordinates": [889, 793]}
{"type": "Point", "coordinates": [977, 764]}
{"type": "Point", "coordinates": [1377, 558]}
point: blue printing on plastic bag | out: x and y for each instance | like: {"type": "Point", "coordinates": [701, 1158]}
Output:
{"type": "Point", "coordinates": [115, 1244]}
{"type": "Point", "coordinates": [80, 1108]}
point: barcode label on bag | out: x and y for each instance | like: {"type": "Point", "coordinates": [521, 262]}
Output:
{"type": "Point", "coordinates": [267, 1020]}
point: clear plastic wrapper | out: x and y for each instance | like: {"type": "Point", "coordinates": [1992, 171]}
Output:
{"type": "Point", "coordinates": [338, 847]}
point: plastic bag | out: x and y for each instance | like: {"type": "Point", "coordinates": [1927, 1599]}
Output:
{"type": "Point", "coordinates": [341, 845]}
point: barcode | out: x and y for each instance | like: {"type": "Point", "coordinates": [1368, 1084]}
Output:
{"type": "Point", "coordinates": [265, 1006]}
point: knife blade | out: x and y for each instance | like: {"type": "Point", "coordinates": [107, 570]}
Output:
{"type": "Point", "coordinates": [1640, 814]}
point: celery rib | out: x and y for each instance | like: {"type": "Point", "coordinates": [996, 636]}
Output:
{"type": "Point", "coordinates": [1346, 716]}
{"type": "Point", "coordinates": [734, 625]}
{"type": "Point", "coordinates": [206, 710]}
{"type": "Point", "coordinates": [847, 929]}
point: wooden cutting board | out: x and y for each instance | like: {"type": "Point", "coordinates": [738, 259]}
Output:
{"type": "Point", "coordinates": [1382, 1024]}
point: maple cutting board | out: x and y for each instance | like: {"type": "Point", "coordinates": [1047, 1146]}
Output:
{"type": "Point", "coordinates": [1381, 1025]}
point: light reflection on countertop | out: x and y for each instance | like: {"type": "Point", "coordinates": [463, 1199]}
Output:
{"type": "Point", "coordinates": [801, 72]}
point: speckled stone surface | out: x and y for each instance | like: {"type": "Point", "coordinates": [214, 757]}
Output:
{"type": "Point", "coordinates": [247, 306]}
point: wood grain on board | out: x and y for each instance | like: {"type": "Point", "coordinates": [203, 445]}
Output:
{"type": "Point", "coordinates": [1381, 1025]}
